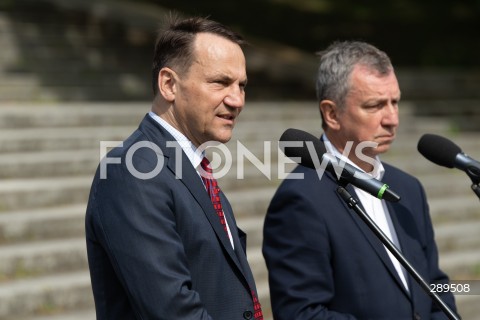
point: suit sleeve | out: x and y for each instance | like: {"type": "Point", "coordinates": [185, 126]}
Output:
{"type": "Point", "coordinates": [297, 253]}
{"type": "Point", "coordinates": [135, 221]}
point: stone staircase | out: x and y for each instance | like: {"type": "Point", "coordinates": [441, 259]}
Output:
{"type": "Point", "coordinates": [76, 50]}
{"type": "Point", "coordinates": [49, 152]}
{"type": "Point", "coordinates": [47, 157]}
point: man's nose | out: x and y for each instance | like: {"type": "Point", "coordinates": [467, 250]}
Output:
{"type": "Point", "coordinates": [391, 115]}
{"type": "Point", "coordinates": [235, 97]}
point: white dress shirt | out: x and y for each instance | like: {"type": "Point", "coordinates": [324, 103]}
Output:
{"type": "Point", "coordinates": [190, 151]}
{"type": "Point", "coordinates": [375, 208]}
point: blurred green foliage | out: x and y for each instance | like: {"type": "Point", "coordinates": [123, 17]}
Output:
{"type": "Point", "coordinates": [414, 33]}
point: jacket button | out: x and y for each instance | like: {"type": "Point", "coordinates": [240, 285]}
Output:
{"type": "Point", "coordinates": [247, 315]}
{"type": "Point", "coordinates": [416, 316]}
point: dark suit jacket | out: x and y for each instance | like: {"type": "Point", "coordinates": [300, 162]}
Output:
{"type": "Point", "coordinates": [324, 262]}
{"type": "Point", "coordinates": [156, 248]}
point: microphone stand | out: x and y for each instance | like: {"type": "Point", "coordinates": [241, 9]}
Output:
{"type": "Point", "coordinates": [476, 189]}
{"type": "Point", "coordinates": [353, 203]}
{"type": "Point", "coordinates": [474, 174]}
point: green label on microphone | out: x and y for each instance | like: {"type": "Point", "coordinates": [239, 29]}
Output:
{"type": "Point", "coordinates": [381, 191]}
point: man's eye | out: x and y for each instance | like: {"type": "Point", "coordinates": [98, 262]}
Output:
{"type": "Point", "coordinates": [222, 82]}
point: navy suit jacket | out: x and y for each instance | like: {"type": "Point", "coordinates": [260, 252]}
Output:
{"type": "Point", "coordinates": [156, 248]}
{"type": "Point", "coordinates": [325, 263]}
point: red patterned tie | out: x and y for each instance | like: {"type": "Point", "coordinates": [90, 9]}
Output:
{"type": "Point", "coordinates": [214, 192]}
{"type": "Point", "coordinates": [258, 315]}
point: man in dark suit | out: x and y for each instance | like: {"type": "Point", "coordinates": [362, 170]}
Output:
{"type": "Point", "coordinates": [323, 260]}
{"type": "Point", "coordinates": [162, 244]}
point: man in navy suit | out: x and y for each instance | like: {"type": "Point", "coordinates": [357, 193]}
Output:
{"type": "Point", "coordinates": [157, 246]}
{"type": "Point", "coordinates": [323, 260]}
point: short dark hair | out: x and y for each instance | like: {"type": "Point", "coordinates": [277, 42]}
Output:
{"type": "Point", "coordinates": [174, 46]}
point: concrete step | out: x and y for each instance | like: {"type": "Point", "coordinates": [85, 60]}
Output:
{"type": "Point", "coordinates": [455, 237]}
{"type": "Point", "coordinates": [27, 165]}
{"type": "Point", "coordinates": [250, 203]}
{"type": "Point", "coordinates": [445, 183]}
{"type": "Point", "coordinates": [42, 224]}
{"type": "Point", "coordinates": [81, 314]}
{"type": "Point", "coordinates": [46, 295]}
{"type": "Point", "coordinates": [260, 114]}
{"type": "Point", "coordinates": [461, 265]}
{"type": "Point", "coordinates": [255, 117]}
{"type": "Point", "coordinates": [257, 263]}
{"type": "Point", "coordinates": [468, 306]}
{"type": "Point", "coordinates": [256, 260]}
{"type": "Point", "coordinates": [67, 115]}
{"type": "Point", "coordinates": [455, 209]}
{"type": "Point", "coordinates": [406, 142]}
{"type": "Point", "coordinates": [27, 115]}
{"type": "Point", "coordinates": [60, 138]}
{"type": "Point", "coordinates": [128, 90]}
{"type": "Point", "coordinates": [42, 258]}
{"type": "Point", "coordinates": [17, 93]}
{"type": "Point", "coordinates": [21, 194]}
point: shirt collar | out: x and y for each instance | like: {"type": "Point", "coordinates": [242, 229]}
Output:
{"type": "Point", "coordinates": [378, 171]}
{"type": "Point", "coordinates": [187, 146]}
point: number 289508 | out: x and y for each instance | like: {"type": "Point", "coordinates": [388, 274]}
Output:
{"type": "Point", "coordinates": [450, 287]}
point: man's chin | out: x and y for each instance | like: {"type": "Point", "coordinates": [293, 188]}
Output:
{"type": "Point", "coordinates": [224, 136]}
{"type": "Point", "coordinates": [373, 152]}
{"type": "Point", "coordinates": [382, 148]}
{"type": "Point", "coordinates": [221, 138]}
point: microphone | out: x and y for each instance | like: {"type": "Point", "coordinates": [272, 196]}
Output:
{"type": "Point", "coordinates": [444, 152]}
{"type": "Point", "coordinates": [342, 170]}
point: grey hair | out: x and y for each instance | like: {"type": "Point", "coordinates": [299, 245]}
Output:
{"type": "Point", "coordinates": [337, 63]}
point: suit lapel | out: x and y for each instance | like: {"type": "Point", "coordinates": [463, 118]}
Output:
{"type": "Point", "coordinates": [375, 243]}
{"type": "Point", "coordinates": [239, 239]}
{"type": "Point", "coordinates": [189, 177]}
{"type": "Point", "coordinates": [399, 214]}
{"type": "Point", "coordinates": [193, 183]}
{"type": "Point", "coordinates": [191, 180]}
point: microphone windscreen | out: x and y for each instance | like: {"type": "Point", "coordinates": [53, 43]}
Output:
{"type": "Point", "coordinates": [438, 149]}
{"type": "Point", "coordinates": [302, 152]}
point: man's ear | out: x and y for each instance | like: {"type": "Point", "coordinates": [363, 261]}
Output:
{"type": "Point", "coordinates": [329, 112]}
{"type": "Point", "coordinates": [167, 81]}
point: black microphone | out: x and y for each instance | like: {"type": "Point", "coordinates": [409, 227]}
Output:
{"type": "Point", "coordinates": [343, 171]}
{"type": "Point", "coordinates": [445, 153]}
